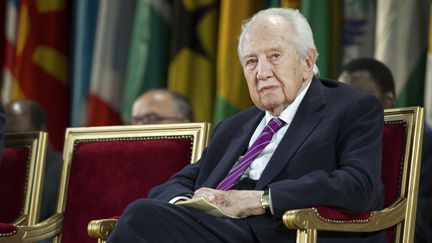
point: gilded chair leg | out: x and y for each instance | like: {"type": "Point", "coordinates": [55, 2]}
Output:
{"type": "Point", "coordinates": [307, 236]}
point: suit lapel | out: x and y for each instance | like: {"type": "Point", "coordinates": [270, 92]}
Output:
{"type": "Point", "coordinates": [235, 149]}
{"type": "Point", "coordinates": [305, 120]}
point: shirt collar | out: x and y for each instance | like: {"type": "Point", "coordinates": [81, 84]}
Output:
{"type": "Point", "coordinates": [288, 114]}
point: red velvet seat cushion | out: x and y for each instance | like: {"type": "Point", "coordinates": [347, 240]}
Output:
{"type": "Point", "coordinates": [107, 175]}
{"type": "Point", "coordinates": [13, 177]}
{"type": "Point", "coordinates": [392, 158]}
{"type": "Point", "coordinates": [7, 229]}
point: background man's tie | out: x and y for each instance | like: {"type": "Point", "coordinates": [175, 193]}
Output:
{"type": "Point", "coordinates": [257, 147]}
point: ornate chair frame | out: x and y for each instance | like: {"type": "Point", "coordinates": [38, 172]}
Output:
{"type": "Point", "coordinates": [36, 144]}
{"type": "Point", "coordinates": [100, 229]}
{"type": "Point", "coordinates": [52, 227]}
{"type": "Point", "coordinates": [400, 214]}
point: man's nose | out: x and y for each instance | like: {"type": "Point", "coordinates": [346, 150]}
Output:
{"type": "Point", "coordinates": [264, 70]}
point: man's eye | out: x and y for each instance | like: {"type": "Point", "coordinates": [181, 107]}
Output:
{"type": "Point", "coordinates": [250, 62]}
{"type": "Point", "coordinates": [275, 55]}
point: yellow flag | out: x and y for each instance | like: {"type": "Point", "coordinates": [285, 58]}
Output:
{"type": "Point", "coordinates": [192, 66]}
{"type": "Point", "coordinates": [231, 92]}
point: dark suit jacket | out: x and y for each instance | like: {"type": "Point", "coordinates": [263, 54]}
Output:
{"type": "Point", "coordinates": [330, 155]}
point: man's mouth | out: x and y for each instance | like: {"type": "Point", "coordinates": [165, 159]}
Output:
{"type": "Point", "coordinates": [268, 88]}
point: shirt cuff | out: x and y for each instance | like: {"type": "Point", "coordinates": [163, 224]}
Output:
{"type": "Point", "coordinates": [179, 198]}
{"type": "Point", "coordinates": [270, 202]}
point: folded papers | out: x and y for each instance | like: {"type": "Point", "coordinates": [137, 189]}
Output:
{"type": "Point", "coordinates": [205, 206]}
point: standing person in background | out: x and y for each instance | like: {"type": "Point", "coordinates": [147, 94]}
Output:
{"type": "Point", "coordinates": [302, 144]}
{"type": "Point", "coordinates": [160, 106]}
{"type": "Point", "coordinates": [26, 116]}
{"type": "Point", "coordinates": [373, 76]}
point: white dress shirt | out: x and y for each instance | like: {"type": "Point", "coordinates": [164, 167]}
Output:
{"type": "Point", "coordinates": [258, 165]}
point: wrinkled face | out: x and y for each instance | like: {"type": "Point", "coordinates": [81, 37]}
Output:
{"type": "Point", "coordinates": [274, 70]}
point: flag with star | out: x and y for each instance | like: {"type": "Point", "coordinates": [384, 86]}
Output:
{"type": "Point", "coordinates": [192, 54]}
{"type": "Point", "coordinates": [39, 62]}
{"type": "Point", "coordinates": [231, 92]}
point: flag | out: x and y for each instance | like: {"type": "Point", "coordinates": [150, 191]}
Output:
{"type": "Point", "coordinates": [109, 62]}
{"type": "Point", "coordinates": [84, 24]}
{"type": "Point", "coordinates": [3, 35]}
{"type": "Point", "coordinates": [231, 92]}
{"type": "Point", "coordinates": [149, 53]}
{"type": "Point", "coordinates": [290, 4]}
{"type": "Point", "coordinates": [8, 56]}
{"type": "Point", "coordinates": [39, 61]}
{"type": "Point", "coordinates": [358, 31]}
{"type": "Point", "coordinates": [193, 51]}
{"type": "Point", "coordinates": [428, 84]}
{"type": "Point", "coordinates": [401, 44]}
{"type": "Point", "coordinates": [325, 19]}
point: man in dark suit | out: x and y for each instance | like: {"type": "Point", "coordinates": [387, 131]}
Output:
{"type": "Point", "coordinates": [325, 150]}
{"type": "Point", "coordinates": [373, 76]}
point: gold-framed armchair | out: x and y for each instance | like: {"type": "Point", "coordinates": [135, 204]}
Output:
{"type": "Point", "coordinates": [21, 182]}
{"type": "Point", "coordinates": [109, 167]}
{"type": "Point", "coordinates": [402, 144]}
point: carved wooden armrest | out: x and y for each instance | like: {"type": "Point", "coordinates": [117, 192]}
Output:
{"type": "Point", "coordinates": [43, 230]}
{"type": "Point", "coordinates": [312, 219]}
{"type": "Point", "coordinates": [102, 228]}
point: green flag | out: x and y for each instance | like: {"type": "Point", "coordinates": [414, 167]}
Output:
{"type": "Point", "coordinates": [148, 55]}
{"type": "Point", "coordinates": [325, 18]}
{"type": "Point", "coordinates": [401, 43]}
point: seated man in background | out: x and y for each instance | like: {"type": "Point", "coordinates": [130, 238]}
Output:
{"type": "Point", "coordinates": [26, 116]}
{"type": "Point", "coordinates": [373, 76]}
{"type": "Point", "coordinates": [160, 106]}
{"type": "Point", "coordinates": [303, 144]}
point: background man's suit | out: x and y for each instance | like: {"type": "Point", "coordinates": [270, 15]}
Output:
{"type": "Point", "coordinates": [330, 155]}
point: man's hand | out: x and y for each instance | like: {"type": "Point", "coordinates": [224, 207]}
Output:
{"type": "Point", "coordinates": [239, 203]}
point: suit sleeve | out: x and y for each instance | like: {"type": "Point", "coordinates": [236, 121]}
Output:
{"type": "Point", "coordinates": [182, 183]}
{"type": "Point", "coordinates": [355, 186]}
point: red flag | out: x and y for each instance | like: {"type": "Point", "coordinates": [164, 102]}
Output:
{"type": "Point", "coordinates": [40, 68]}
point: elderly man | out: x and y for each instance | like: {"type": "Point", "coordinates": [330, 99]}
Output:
{"type": "Point", "coordinates": [306, 142]}
{"type": "Point", "coordinates": [373, 76]}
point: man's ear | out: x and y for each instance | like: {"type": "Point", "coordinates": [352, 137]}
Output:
{"type": "Point", "coordinates": [309, 62]}
{"type": "Point", "coordinates": [388, 99]}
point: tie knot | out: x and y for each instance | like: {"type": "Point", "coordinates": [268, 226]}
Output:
{"type": "Point", "coordinates": [274, 125]}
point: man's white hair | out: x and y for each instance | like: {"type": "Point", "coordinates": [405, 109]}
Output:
{"type": "Point", "coordinates": [302, 38]}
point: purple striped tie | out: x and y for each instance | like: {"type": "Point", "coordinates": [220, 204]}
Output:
{"type": "Point", "coordinates": [257, 147]}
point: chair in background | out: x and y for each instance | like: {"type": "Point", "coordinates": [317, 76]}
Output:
{"type": "Point", "coordinates": [402, 142]}
{"type": "Point", "coordinates": [21, 180]}
{"type": "Point", "coordinates": [106, 168]}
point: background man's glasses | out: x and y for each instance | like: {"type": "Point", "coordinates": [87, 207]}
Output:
{"type": "Point", "coordinates": [154, 118]}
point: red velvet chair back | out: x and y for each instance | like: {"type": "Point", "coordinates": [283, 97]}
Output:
{"type": "Point", "coordinates": [401, 156]}
{"type": "Point", "coordinates": [401, 164]}
{"type": "Point", "coordinates": [113, 166]}
{"type": "Point", "coordinates": [20, 169]}
{"type": "Point", "coordinates": [394, 142]}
